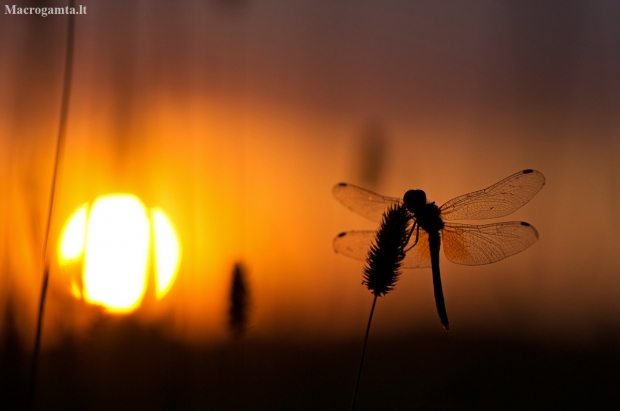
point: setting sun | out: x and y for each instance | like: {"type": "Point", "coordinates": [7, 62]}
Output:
{"type": "Point", "coordinates": [113, 238]}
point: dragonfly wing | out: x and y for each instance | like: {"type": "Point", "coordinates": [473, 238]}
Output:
{"type": "Point", "coordinates": [498, 200]}
{"type": "Point", "coordinates": [356, 244]}
{"type": "Point", "coordinates": [418, 256]}
{"type": "Point", "coordinates": [364, 202]}
{"type": "Point", "coordinates": [484, 244]}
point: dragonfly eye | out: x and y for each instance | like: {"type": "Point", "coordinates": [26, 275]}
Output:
{"type": "Point", "coordinates": [414, 199]}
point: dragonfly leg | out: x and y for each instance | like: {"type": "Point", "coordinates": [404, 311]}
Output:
{"type": "Point", "coordinates": [415, 227]}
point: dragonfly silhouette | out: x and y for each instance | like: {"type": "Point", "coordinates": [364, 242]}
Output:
{"type": "Point", "coordinates": [463, 243]}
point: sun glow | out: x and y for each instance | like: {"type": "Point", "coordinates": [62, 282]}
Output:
{"type": "Point", "coordinates": [166, 252]}
{"type": "Point", "coordinates": [115, 240]}
{"type": "Point", "coordinates": [117, 250]}
{"type": "Point", "coordinates": [72, 243]}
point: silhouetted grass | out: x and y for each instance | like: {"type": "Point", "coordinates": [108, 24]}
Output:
{"type": "Point", "coordinates": [239, 309]}
{"type": "Point", "coordinates": [60, 142]}
{"type": "Point", "coordinates": [372, 151]}
{"type": "Point", "coordinates": [383, 264]}
{"type": "Point", "coordinates": [12, 362]}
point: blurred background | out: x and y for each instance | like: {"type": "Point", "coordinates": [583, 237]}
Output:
{"type": "Point", "coordinates": [236, 118]}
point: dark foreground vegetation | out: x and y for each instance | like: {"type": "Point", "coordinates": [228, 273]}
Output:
{"type": "Point", "coordinates": [123, 366]}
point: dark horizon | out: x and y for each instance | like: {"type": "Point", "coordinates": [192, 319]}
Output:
{"type": "Point", "coordinates": [120, 364]}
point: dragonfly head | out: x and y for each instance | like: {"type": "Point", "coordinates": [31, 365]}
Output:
{"type": "Point", "coordinates": [414, 200]}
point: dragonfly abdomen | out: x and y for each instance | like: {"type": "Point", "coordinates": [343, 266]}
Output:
{"type": "Point", "coordinates": [434, 241]}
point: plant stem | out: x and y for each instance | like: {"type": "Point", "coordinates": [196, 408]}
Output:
{"type": "Point", "coordinates": [60, 143]}
{"type": "Point", "coordinates": [359, 371]}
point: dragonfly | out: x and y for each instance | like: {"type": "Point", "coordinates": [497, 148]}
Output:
{"type": "Point", "coordinates": [466, 244]}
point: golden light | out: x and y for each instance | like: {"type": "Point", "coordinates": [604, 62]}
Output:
{"type": "Point", "coordinates": [166, 252]}
{"type": "Point", "coordinates": [114, 240]}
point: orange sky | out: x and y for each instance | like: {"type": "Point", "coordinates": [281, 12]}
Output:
{"type": "Point", "coordinates": [238, 122]}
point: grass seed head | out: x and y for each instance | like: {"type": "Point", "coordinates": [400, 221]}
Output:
{"type": "Point", "coordinates": [387, 251]}
{"type": "Point", "coordinates": [238, 311]}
